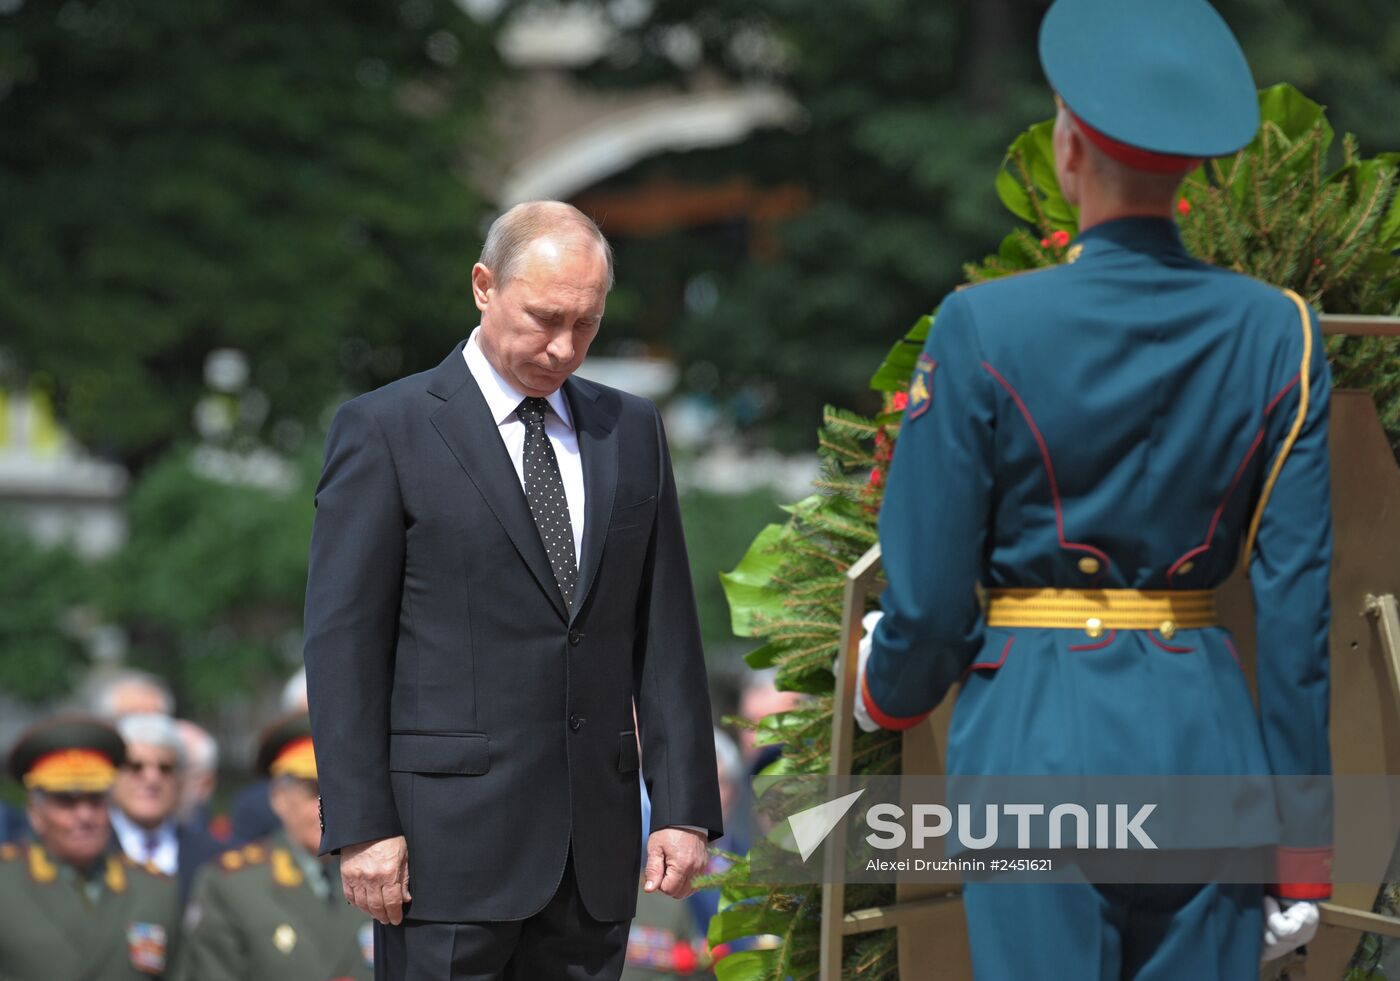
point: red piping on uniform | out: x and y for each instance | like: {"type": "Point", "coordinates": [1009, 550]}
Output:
{"type": "Point", "coordinates": [1304, 873]}
{"type": "Point", "coordinates": [1233, 653]}
{"type": "Point", "coordinates": [888, 721]}
{"type": "Point", "coordinates": [1095, 647]}
{"type": "Point", "coordinates": [1305, 890]}
{"type": "Point", "coordinates": [1239, 472]}
{"type": "Point", "coordinates": [988, 665]}
{"type": "Point", "coordinates": [1152, 636]}
{"type": "Point", "coordinates": [1049, 470]}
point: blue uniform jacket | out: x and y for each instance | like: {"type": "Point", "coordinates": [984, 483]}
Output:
{"type": "Point", "coordinates": [1112, 423]}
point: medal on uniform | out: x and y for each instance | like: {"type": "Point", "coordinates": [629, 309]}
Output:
{"type": "Point", "coordinates": [921, 386]}
{"type": "Point", "coordinates": [284, 938]}
{"type": "Point", "coordinates": [145, 942]}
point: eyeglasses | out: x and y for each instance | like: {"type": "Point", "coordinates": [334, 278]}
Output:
{"type": "Point", "coordinates": [136, 766]}
{"type": "Point", "coordinates": [68, 801]}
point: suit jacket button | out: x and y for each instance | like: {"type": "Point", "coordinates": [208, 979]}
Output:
{"type": "Point", "coordinates": [575, 723]}
{"type": "Point", "coordinates": [575, 636]}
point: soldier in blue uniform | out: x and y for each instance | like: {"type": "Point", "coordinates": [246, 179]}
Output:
{"type": "Point", "coordinates": [1097, 445]}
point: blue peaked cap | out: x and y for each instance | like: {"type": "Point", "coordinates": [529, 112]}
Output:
{"type": "Point", "coordinates": [1165, 76]}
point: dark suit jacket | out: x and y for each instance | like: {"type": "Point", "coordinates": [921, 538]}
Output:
{"type": "Point", "coordinates": [454, 699]}
{"type": "Point", "coordinates": [196, 847]}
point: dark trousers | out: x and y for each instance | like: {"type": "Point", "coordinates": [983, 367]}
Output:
{"type": "Point", "coordinates": [561, 941]}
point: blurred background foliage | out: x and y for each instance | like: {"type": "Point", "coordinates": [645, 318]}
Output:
{"type": "Point", "coordinates": [279, 177]}
{"type": "Point", "coordinates": [294, 181]}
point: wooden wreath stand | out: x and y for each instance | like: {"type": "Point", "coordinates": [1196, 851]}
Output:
{"type": "Point", "coordinates": [1365, 654]}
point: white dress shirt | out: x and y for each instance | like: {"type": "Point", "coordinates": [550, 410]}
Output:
{"type": "Point", "coordinates": [135, 839]}
{"type": "Point", "coordinates": [502, 399]}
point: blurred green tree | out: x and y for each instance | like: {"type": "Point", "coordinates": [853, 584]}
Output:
{"type": "Point", "coordinates": [41, 652]}
{"type": "Point", "coordinates": [209, 586]}
{"type": "Point", "coordinates": [282, 178]}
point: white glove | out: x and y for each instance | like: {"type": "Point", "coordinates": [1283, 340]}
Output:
{"type": "Point", "coordinates": [863, 718]}
{"type": "Point", "coordinates": [1287, 926]}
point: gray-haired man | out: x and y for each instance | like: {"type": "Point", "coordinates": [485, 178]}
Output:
{"type": "Point", "coordinates": [498, 571]}
{"type": "Point", "coordinates": [146, 799]}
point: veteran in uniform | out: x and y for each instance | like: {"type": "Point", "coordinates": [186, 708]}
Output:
{"type": "Point", "coordinates": [1097, 445]}
{"type": "Point", "coordinates": [273, 910]}
{"type": "Point", "coordinates": [75, 907]}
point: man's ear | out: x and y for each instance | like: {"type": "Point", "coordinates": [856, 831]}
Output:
{"type": "Point", "coordinates": [483, 282]}
{"type": "Point", "coordinates": [1071, 156]}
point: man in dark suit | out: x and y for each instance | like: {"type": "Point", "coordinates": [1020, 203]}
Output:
{"type": "Point", "coordinates": [498, 572]}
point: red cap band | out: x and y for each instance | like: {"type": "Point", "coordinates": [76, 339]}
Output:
{"type": "Point", "coordinates": [1131, 156]}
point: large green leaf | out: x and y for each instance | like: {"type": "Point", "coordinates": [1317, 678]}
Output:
{"type": "Point", "coordinates": [1283, 112]}
{"type": "Point", "coordinates": [747, 965]}
{"type": "Point", "coordinates": [1013, 193]}
{"type": "Point", "coordinates": [763, 657]}
{"type": "Point", "coordinates": [749, 588]}
{"type": "Point", "coordinates": [898, 366]}
{"type": "Point", "coordinates": [748, 919]}
{"type": "Point", "coordinates": [1293, 113]}
{"type": "Point", "coordinates": [1034, 150]}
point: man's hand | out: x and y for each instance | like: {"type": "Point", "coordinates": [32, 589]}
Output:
{"type": "Point", "coordinates": [374, 876]}
{"type": "Point", "coordinates": [1286, 928]}
{"type": "Point", "coordinates": [674, 857]}
{"type": "Point", "coordinates": [863, 718]}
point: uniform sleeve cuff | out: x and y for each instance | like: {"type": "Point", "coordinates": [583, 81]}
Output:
{"type": "Point", "coordinates": [885, 720]}
{"type": "Point", "coordinates": [1304, 873]}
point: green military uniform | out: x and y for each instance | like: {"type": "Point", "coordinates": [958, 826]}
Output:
{"type": "Point", "coordinates": [116, 925]}
{"type": "Point", "coordinates": [273, 912]}
{"type": "Point", "coordinates": [116, 922]}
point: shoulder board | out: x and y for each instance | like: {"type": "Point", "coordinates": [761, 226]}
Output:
{"type": "Point", "coordinates": [285, 870]}
{"type": "Point", "coordinates": [41, 868]}
{"type": "Point", "coordinates": [232, 861]}
{"type": "Point", "coordinates": [254, 854]}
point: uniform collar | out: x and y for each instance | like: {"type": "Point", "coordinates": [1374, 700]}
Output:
{"type": "Point", "coordinates": [502, 398]}
{"type": "Point", "coordinates": [1157, 236]}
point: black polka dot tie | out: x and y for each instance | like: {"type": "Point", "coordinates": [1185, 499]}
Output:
{"type": "Point", "coordinates": [544, 489]}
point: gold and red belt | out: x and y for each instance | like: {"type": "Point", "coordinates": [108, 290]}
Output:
{"type": "Point", "coordinates": [1097, 610]}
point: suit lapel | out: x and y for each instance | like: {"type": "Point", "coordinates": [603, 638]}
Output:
{"type": "Point", "coordinates": [597, 441]}
{"type": "Point", "coordinates": [465, 424]}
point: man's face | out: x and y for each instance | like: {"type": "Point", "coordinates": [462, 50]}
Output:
{"type": "Point", "coordinates": [294, 802]}
{"type": "Point", "coordinates": [72, 827]}
{"type": "Point", "coordinates": [148, 786]}
{"type": "Point", "coordinates": [536, 328]}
